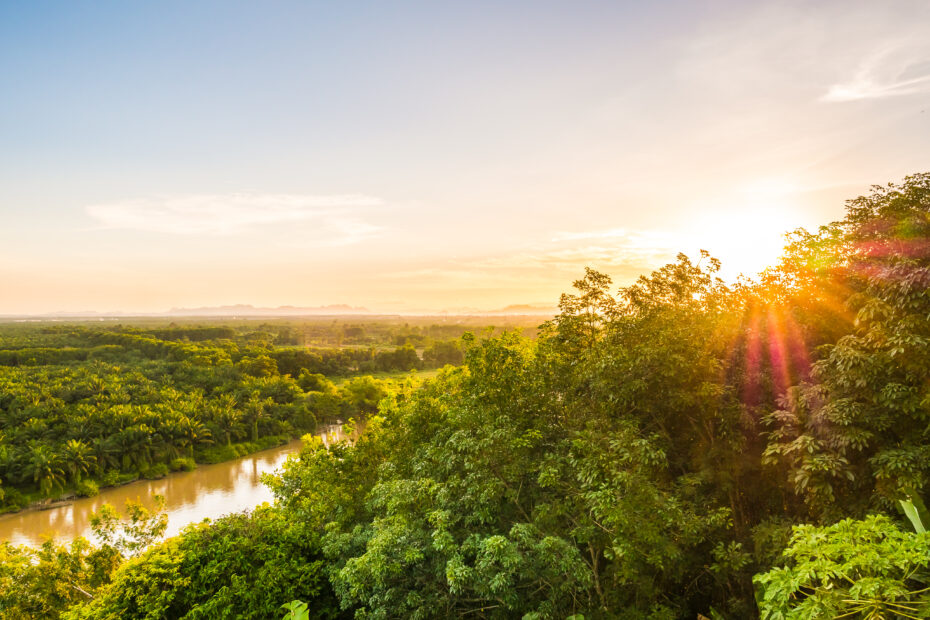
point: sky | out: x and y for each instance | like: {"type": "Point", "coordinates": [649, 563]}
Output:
{"type": "Point", "coordinates": [426, 156]}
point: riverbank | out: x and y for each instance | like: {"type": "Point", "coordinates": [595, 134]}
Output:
{"type": "Point", "coordinates": [93, 486]}
{"type": "Point", "coordinates": [208, 491]}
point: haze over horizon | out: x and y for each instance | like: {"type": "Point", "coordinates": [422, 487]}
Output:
{"type": "Point", "coordinates": [250, 311]}
{"type": "Point", "coordinates": [418, 156]}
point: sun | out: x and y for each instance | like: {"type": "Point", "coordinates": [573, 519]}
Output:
{"type": "Point", "coordinates": [747, 231]}
{"type": "Point", "coordinates": [747, 241]}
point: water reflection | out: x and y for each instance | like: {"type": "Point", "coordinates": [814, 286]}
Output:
{"type": "Point", "coordinates": [207, 492]}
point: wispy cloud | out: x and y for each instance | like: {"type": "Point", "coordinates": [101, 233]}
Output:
{"type": "Point", "coordinates": [865, 88]}
{"type": "Point", "coordinates": [348, 231]}
{"type": "Point", "coordinates": [227, 214]}
{"type": "Point", "coordinates": [888, 72]}
{"type": "Point", "coordinates": [623, 253]}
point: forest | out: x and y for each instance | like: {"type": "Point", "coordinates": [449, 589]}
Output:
{"type": "Point", "coordinates": [681, 447]}
{"type": "Point", "coordinates": [84, 407]}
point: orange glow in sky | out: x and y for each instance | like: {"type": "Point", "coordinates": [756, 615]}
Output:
{"type": "Point", "coordinates": [448, 156]}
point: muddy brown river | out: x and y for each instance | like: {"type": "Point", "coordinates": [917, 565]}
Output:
{"type": "Point", "coordinates": [207, 492]}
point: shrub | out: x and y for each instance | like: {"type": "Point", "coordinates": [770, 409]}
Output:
{"type": "Point", "coordinates": [14, 499]}
{"type": "Point", "coordinates": [218, 454]}
{"type": "Point", "coordinates": [86, 488]}
{"type": "Point", "coordinates": [183, 464]}
{"type": "Point", "coordinates": [158, 470]}
{"type": "Point", "coordinates": [270, 441]}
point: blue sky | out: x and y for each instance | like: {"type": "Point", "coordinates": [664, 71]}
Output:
{"type": "Point", "coordinates": [421, 156]}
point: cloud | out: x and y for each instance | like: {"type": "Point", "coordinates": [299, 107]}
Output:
{"type": "Point", "coordinates": [348, 231]}
{"type": "Point", "coordinates": [891, 71]}
{"type": "Point", "coordinates": [865, 88]}
{"type": "Point", "coordinates": [228, 214]}
{"type": "Point", "coordinates": [625, 254]}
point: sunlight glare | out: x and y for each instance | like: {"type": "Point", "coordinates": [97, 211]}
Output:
{"type": "Point", "coordinates": [748, 233]}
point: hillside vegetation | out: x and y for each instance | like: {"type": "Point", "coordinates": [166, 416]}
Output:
{"type": "Point", "coordinates": [680, 448]}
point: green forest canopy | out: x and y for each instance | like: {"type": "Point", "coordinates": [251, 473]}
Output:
{"type": "Point", "coordinates": [645, 457]}
{"type": "Point", "coordinates": [84, 405]}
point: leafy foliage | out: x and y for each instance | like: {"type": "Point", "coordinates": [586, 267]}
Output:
{"type": "Point", "coordinates": [855, 437]}
{"type": "Point", "coordinates": [241, 566]}
{"type": "Point", "coordinates": [862, 569]}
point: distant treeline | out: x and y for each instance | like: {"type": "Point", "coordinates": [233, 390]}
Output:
{"type": "Point", "coordinates": [210, 345]}
{"type": "Point", "coordinates": [362, 331]}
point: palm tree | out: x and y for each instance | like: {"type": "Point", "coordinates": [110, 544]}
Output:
{"type": "Point", "coordinates": [135, 445]}
{"type": "Point", "coordinates": [105, 454]}
{"type": "Point", "coordinates": [4, 457]}
{"type": "Point", "coordinates": [159, 443]}
{"type": "Point", "coordinates": [255, 410]}
{"type": "Point", "coordinates": [34, 429]}
{"type": "Point", "coordinates": [97, 388]}
{"type": "Point", "coordinates": [78, 458]}
{"type": "Point", "coordinates": [172, 432]}
{"type": "Point", "coordinates": [194, 432]}
{"type": "Point", "coordinates": [45, 468]}
{"type": "Point", "coordinates": [227, 417]}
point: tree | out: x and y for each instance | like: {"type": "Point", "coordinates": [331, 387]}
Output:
{"type": "Point", "coordinates": [866, 569]}
{"type": "Point", "coordinates": [135, 445]}
{"type": "Point", "coordinates": [45, 468]}
{"type": "Point", "coordinates": [314, 382]}
{"type": "Point", "coordinates": [484, 495]}
{"type": "Point", "coordinates": [256, 409]}
{"type": "Point", "coordinates": [193, 432]}
{"type": "Point", "coordinates": [141, 528]}
{"type": "Point", "coordinates": [362, 394]}
{"type": "Point", "coordinates": [856, 436]}
{"type": "Point", "coordinates": [259, 366]}
{"type": "Point", "coordinates": [42, 583]}
{"type": "Point", "coordinates": [48, 581]}
{"type": "Point", "coordinates": [105, 453]}
{"type": "Point", "coordinates": [78, 458]}
{"type": "Point", "coordinates": [212, 571]}
{"type": "Point", "coordinates": [227, 416]}
{"type": "Point", "coordinates": [444, 352]}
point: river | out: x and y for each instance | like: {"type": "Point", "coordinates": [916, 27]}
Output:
{"type": "Point", "coordinates": [205, 493]}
